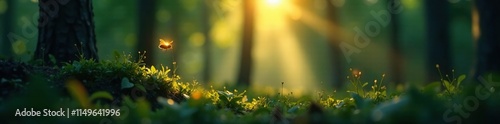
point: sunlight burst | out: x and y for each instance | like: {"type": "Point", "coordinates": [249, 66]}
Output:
{"type": "Point", "coordinates": [275, 40]}
{"type": "Point", "coordinates": [273, 2]}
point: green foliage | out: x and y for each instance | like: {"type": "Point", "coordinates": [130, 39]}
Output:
{"type": "Point", "coordinates": [378, 91]}
{"type": "Point", "coordinates": [231, 100]}
{"type": "Point", "coordinates": [120, 72]}
{"type": "Point", "coordinates": [166, 99]}
{"type": "Point", "coordinates": [451, 84]}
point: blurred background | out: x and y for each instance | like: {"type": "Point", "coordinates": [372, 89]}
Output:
{"type": "Point", "coordinates": [308, 44]}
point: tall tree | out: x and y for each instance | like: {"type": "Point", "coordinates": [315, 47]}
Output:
{"type": "Point", "coordinates": [334, 43]}
{"type": "Point", "coordinates": [66, 30]}
{"type": "Point", "coordinates": [488, 45]}
{"type": "Point", "coordinates": [6, 46]}
{"type": "Point", "coordinates": [396, 60]}
{"type": "Point", "coordinates": [146, 23]}
{"type": "Point", "coordinates": [208, 43]}
{"type": "Point", "coordinates": [438, 19]}
{"type": "Point", "coordinates": [246, 47]}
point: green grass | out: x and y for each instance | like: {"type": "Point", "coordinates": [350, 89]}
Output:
{"type": "Point", "coordinates": [156, 95]}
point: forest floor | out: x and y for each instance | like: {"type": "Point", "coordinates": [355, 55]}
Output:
{"type": "Point", "coordinates": [143, 94]}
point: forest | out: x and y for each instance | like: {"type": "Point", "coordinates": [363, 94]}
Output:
{"type": "Point", "coordinates": [249, 61]}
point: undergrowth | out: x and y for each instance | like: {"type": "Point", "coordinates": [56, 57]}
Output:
{"type": "Point", "coordinates": [149, 94]}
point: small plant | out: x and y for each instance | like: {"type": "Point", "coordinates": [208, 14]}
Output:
{"type": "Point", "coordinates": [108, 85]}
{"type": "Point", "coordinates": [233, 101]}
{"type": "Point", "coordinates": [451, 85]}
{"type": "Point", "coordinates": [378, 91]}
{"type": "Point", "coordinates": [165, 46]}
{"type": "Point", "coordinates": [357, 87]}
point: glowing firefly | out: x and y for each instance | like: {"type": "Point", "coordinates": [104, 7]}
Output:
{"type": "Point", "coordinates": [165, 45]}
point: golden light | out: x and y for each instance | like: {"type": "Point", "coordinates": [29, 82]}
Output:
{"type": "Point", "coordinates": [476, 30]}
{"type": "Point", "coordinates": [170, 101]}
{"type": "Point", "coordinates": [273, 2]}
{"type": "Point", "coordinates": [164, 45]}
{"type": "Point", "coordinates": [196, 95]}
{"type": "Point", "coordinates": [276, 40]}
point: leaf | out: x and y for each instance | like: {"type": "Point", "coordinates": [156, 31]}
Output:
{"type": "Point", "coordinates": [126, 83]}
{"type": "Point", "coordinates": [460, 79]}
{"type": "Point", "coordinates": [223, 99]}
{"type": "Point", "coordinates": [384, 93]}
{"type": "Point", "coordinates": [448, 86]}
{"type": "Point", "coordinates": [153, 69]}
{"type": "Point", "coordinates": [101, 94]}
{"type": "Point", "coordinates": [242, 93]}
{"type": "Point", "coordinates": [433, 87]}
{"type": "Point", "coordinates": [244, 99]}
{"type": "Point", "coordinates": [221, 92]}
{"type": "Point", "coordinates": [186, 96]}
{"type": "Point", "coordinates": [141, 87]}
{"type": "Point", "coordinates": [366, 83]}
{"type": "Point", "coordinates": [235, 100]}
{"type": "Point", "coordinates": [340, 104]}
{"type": "Point", "coordinates": [293, 109]}
{"type": "Point", "coordinates": [229, 94]}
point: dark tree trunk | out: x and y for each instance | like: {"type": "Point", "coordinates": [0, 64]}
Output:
{"type": "Point", "coordinates": [334, 42]}
{"type": "Point", "coordinates": [208, 41]}
{"type": "Point", "coordinates": [395, 54]}
{"type": "Point", "coordinates": [437, 12]}
{"type": "Point", "coordinates": [66, 31]}
{"type": "Point", "coordinates": [146, 22]}
{"type": "Point", "coordinates": [488, 45]}
{"type": "Point", "coordinates": [5, 43]}
{"type": "Point", "coordinates": [246, 47]}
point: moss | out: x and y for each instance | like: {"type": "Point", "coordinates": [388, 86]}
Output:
{"type": "Point", "coordinates": [108, 76]}
{"type": "Point", "coordinates": [154, 94]}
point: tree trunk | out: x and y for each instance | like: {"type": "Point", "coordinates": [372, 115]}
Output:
{"type": "Point", "coordinates": [66, 31]}
{"type": "Point", "coordinates": [208, 43]}
{"type": "Point", "coordinates": [333, 41]}
{"type": "Point", "coordinates": [246, 47]}
{"type": "Point", "coordinates": [488, 45]}
{"type": "Point", "coordinates": [146, 22]}
{"type": "Point", "coordinates": [395, 54]}
{"type": "Point", "coordinates": [5, 43]}
{"type": "Point", "coordinates": [437, 12]}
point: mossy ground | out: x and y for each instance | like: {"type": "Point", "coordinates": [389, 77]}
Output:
{"type": "Point", "coordinates": [156, 95]}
